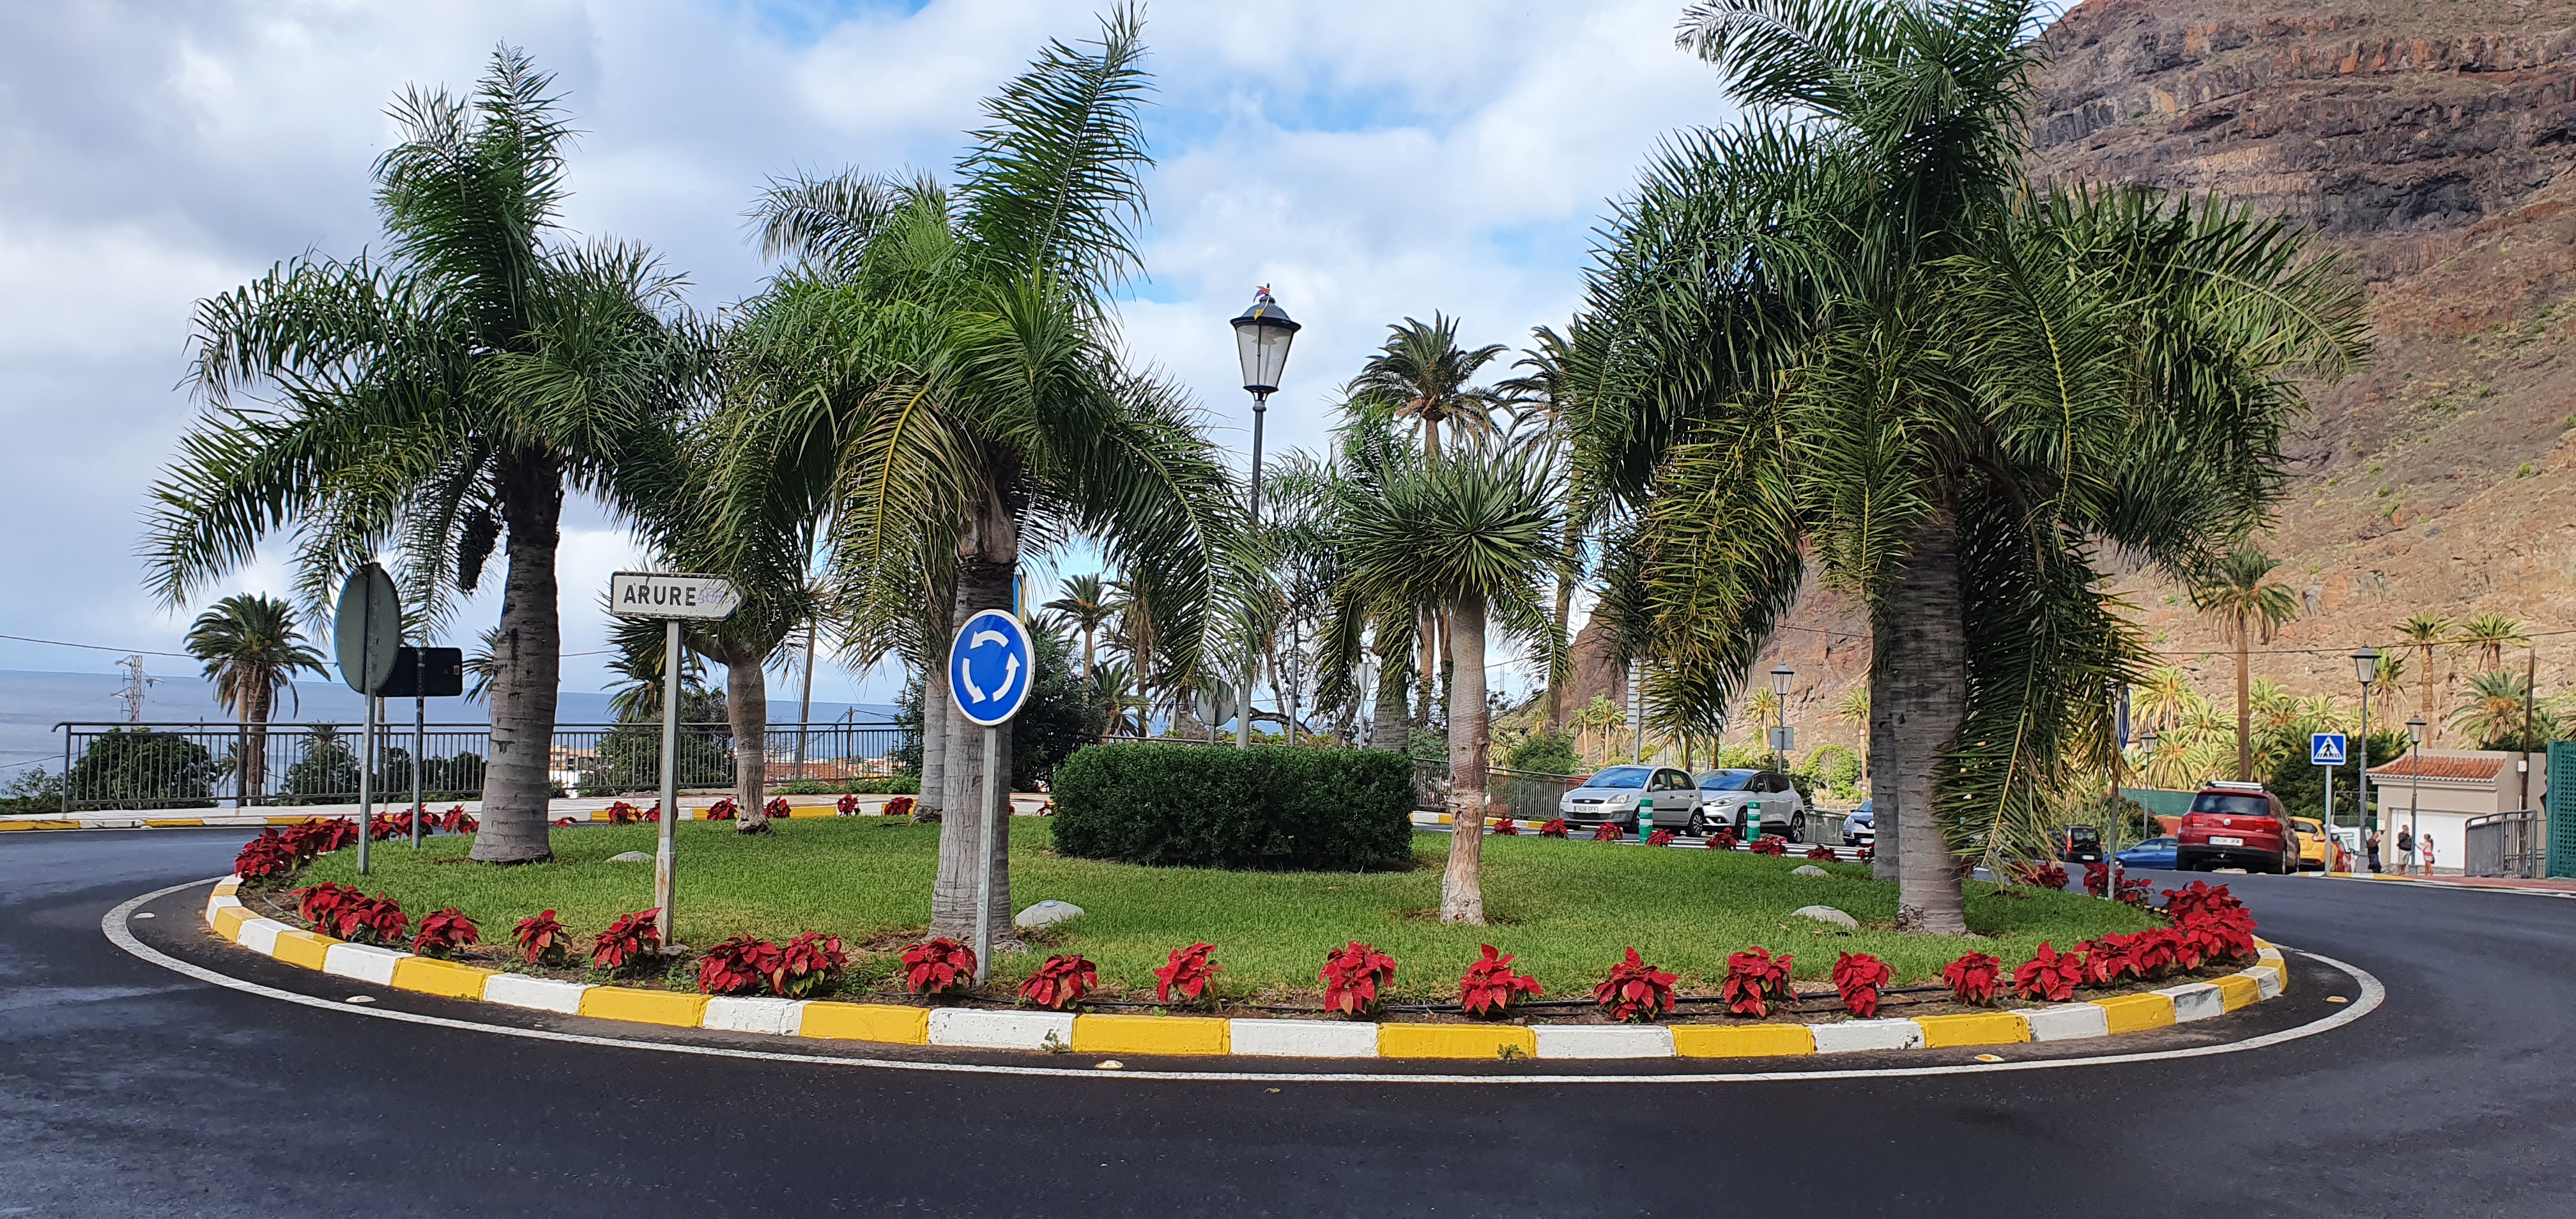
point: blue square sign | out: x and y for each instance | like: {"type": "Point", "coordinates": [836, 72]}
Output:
{"type": "Point", "coordinates": [2325, 748]}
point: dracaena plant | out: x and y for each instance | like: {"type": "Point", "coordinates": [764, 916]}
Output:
{"type": "Point", "coordinates": [1635, 991]}
{"type": "Point", "coordinates": [1490, 987]}
{"type": "Point", "coordinates": [1972, 978]}
{"type": "Point", "coordinates": [542, 939]}
{"type": "Point", "coordinates": [629, 941]}
{"type": "Point", "coordinates": [442, 932]}
{"type": "Point", "coordinates": [1858, 977]}
{"type": "Point", "coordinates": [938, 966]}
{"type": "Point", "coordinates": [1186, 974]}
{"type": "Point", "coordinates": [1756, 980]}
{"type": "Point", "coordinates": [1354, 978]}
{"type": "Point", "coordinates": [1060, 983]}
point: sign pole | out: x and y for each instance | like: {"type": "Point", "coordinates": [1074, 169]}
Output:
{"type": "Point", "coordinates": [366, 784]}
{"type": "Point", "coordinates": [670, 779]}
{"type": "Point", "coordinates": [984, 861]}
{"type": "Point", "coordinates": [419, 734]}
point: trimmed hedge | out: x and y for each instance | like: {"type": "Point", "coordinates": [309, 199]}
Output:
{"type": "Point", "coordinates": [1269, 807]}
{"type": "Point", "coordinates": [880, 785]}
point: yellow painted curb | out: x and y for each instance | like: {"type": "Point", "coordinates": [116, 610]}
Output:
{"type": "Point", "coordinates": [644, 1006]}
{"type": "Point", "coordinates": [39, 825]}
{"type": "Point", "coordinates": [435, 977]}
{"type": "Point", "coordinates": [1453, 1040]}
{"type": "Point", "coordinates": [1974, 1028]}
{"type": "Point", "coordinates": [1150, 1034]}
{"type": "Point", "coordinates": [866, 1022]}
{"type": "Point", "coordinates": [1742, 1041]}
{"type": "Point", "coordinates": [227, 888]}
{"type": "Point", "coordinates": [2237, 990]}
{"type": "Point", "coordinates": [303, 948]}
{"type": "Point", "coordinates": [229, 920]}
{"type": "Point", "coordinates": [172, 823]}
{"type": "Point", "coordinates": [2133, 1013]}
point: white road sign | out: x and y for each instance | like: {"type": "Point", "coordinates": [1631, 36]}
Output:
{"type": "Point", "coordinates": [655, 594]}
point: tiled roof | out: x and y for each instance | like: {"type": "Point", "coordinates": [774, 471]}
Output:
{"type": "Point", "coordinates": [2437, 766]}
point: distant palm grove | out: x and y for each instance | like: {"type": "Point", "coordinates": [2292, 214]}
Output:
{"type": "Point", "coordinates": [1842, 342]}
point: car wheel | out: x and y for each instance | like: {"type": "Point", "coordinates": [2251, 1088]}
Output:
{"type": "Point", "coordinates": [1698, 824]}
{"type": "Point", "coordinates": [1798, 827]}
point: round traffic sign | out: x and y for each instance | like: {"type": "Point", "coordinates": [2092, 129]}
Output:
{"type": "Point", "coordinates": [990, 666]}
{"type": "Point", "coordinates": [368, 629]}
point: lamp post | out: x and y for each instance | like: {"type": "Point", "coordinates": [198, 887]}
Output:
{"type": "Point", "coordinates": [2415, 784]}
{"type": "Point", "coordinates": [1262, 334]}
{"type": "Point", "coordinates": [2146, 759]}
{"type": "Point", "coordinates": [1780, 676]}
{"type": "Point", "coordinates": [2365, 666]}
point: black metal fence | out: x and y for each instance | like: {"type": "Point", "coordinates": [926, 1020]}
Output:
{"type": "Point", "coordinates": [155, 766]}
{"type": "Point", "coordinates": [2505, 844]}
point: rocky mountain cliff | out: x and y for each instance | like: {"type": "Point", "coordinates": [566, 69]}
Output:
{"type": "Point", "coordinates": [2429, 143]}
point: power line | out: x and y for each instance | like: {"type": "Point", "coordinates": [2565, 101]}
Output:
{"type": "Point", "coordinates": [97, 647]}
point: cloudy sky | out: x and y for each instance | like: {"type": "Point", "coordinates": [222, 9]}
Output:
{"type": "Point", "coordinates": [1368, 160]}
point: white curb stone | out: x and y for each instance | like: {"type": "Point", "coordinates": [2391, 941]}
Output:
{"type": "Point", "coordinates": [2265, 978]}
{"type": "Point", "coordinates": [985, 1030]}
{"type": "Point", "coordinates": [736, 1014]}
{"type": "Point", "coordinates": [1604, 1041]}
{"type": "Point", "coordinates": [2195, 1001]}
{"type": "Point", "coordinates": [1853, 1035]}
{"type": "Point", "coordinates": [543, 994]}
{"type": "Point", "coordinates": [260, 935]}
{"type": "Point", "coordinates": [2069, 1022]}
{"type": "Point", "coordinates": [363, 962]}
{"type": "Point", "coordinates": [219, 901]}
{"type": "Point", "coordinates": [1302, 1038]}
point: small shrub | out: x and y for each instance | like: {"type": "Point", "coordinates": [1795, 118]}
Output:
{"type": "Point", "coordinates": [1772, 845]}
{"type": "Point", "coordinates": [386, 825]}
{"type": "Point", "coordinates": [809, 962]}
{"type": "Point", "coordinates": [1635, 991]}
{"type": "Point", "coordinates": [1352, 977]}
{"type": "Point", "coordinates": [1060, 983]}
{"type": "Point", "coordinates": [2051, 975]}
{"type": "Point", "coordinates": [1608, 832]}
{"type": "Point", "coordinates": [542, 939]}
{"type": "Point", "coordinates": [1660, 838]}
{"type": "Point", "coordinates": [2133, 889]}
{"type": "Point", "coordinates": [2220, 934]}
{"type": "Point", "coordinates": [561, 822]}
{"type": "Point", "coordinates": [321, 904]}
{"type": "Point", "coordinates": [372, 920]}
{"type": "Point", "coordinates": [1755, 980]}
{"type": "Point", "coordinates": [628, 940]}
{"type": "Point", "coordinates": [1867, 854]}
{"type": "Point", "coordinates": [737, 966]}
{"type": "Point", "coordinates": [1555, 828]}
{"type": "Point", "coordinates": [1722, 839]}
{"type": "Point", "coordinates": [1506, 826]}
{"type": "Point", "coordinates": [456, 819]}
{"type": "Point", "coordinates": [2107, 959]}
{"type": "Point", "coordinates": [1490, 987]}
{"type": "Point", "coordinates": [940, 966]}
{"type": "Point", "coordinates": [2155, 951]}
{"type": "Point", "coordinates": [900, 806]}
{"type": "Point", "coordinates": [443, 932]}
{"type": "Point", "coordinates": [1269, 807]}
{"type": "Point", "coordinates": [847, 806]}
{"type": "Point", "coordinates": [2036, 875]}
{"type": "Point", "coordinates": [264, 857]}
{"type": "Point", "coordinates": [622, 813]}
{"type": "Point", "coordinates": [1188, 971]}
{"type": "Point", "coordinates": [777, 807]}
{"type": "Point", "coordinates": [1857, 977]}
{"type": "Point", "coordinates": [1821, 853]}
{"type": "Point", "coordinates": [2200, 895]}
{"type": "Point", "coordinates": [723, 810]}
{"type": "Point", "coordinates": [1972, 978]}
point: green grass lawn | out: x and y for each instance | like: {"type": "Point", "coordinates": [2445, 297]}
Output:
{"type": "Point", "coordinates": [1566, 907]}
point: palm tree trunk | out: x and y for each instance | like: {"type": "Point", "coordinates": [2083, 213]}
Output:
{"type": "Point", "coordinates": [1564, 613]}
{"type": "Point", "coordinates": [1387, 730]}
{"type": "Point", "coordinates": [1462, 894]}
{"type": "Point", "coordinates": [254, 770]}
{"type": "Point", "coordinates": [2244, 712]}
{"type": "Point", "coordinates": [1430, 669]}
{"type": "Point", "coordinates": [527, 660]}
{"type": "Point", "coordinates": [1086, 653]}
{"type": "Point", "coordinates": [987, 567]}
{"type": "Point", "coordinates": [1884, 762]}
{"type": "Point", "coordinates": [934, 735]}
{"type": "Point", "coordinates": [747, 706]}
{"type": "Point", "coordinates": [1927, 701]}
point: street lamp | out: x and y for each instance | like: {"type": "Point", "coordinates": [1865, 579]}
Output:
{"type": "Point", "coordinates": [2146, 760]}
{"type": "Point", "coordinates": [1780, 676]}
{"type": "Point", "coordinates": [2365, 667]}
{"type": "Point", "coordinates": [1262, 335]}
{"type": "Point", "coordinates": [2415, 784]}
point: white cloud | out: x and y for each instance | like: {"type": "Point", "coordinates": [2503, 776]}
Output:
{"type": "Point", "coordinates": [1368, 160]}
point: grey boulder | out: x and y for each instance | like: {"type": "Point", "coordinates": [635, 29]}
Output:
{"type": "Point", "coordinates": [630, 857]}
{"type": "Point", "coordinates": [1045, 912]}
{"type": "Point", "coordinates": [1808, 869]}
{"type": "Point", "coordinates": [1827, 914]}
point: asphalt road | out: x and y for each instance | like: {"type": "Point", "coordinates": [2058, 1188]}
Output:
{"type": "Point", "coordinates": [126, 1089]}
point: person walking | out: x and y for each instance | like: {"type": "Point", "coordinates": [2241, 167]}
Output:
{"type": "Point", "coordinates": [2373, 844]}
{"type": "Point", "coordinates": [2405, 852]}
{"type": "Point", "coordinates": [2427, 845]}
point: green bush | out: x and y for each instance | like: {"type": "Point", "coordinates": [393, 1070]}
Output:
{"type": "Point", "coordinates": [881, 785]}
{"type": "Point", "coordinates": [1544, 753]}
{"type": "Point", "coordinates": [1268, 807]}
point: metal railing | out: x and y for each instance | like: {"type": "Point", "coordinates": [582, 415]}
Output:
{"type": "Point", "coordinates": [2506, 844]}
{"type": "Point", "coordinates": [157, 766]}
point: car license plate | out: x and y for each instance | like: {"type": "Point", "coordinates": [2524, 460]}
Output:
{"type": "Point", "coordinates": [2225, 842]}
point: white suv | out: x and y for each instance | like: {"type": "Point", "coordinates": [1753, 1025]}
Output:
{"type": "Point", "coordinates": [1728, 795]}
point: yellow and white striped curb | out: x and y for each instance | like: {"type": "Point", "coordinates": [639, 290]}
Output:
{"type": "Point", "coordinates": [128, 820]}
{"type": "Point", "coordinates": [987, 1029]}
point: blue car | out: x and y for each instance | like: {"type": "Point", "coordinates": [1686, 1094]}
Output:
{"type": "Point", "coordinates": [2153, 853]}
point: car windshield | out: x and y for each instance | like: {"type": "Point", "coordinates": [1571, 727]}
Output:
{"type": "Point", "coordinates": [2155, 842]}
{"type": "Point", "coordinates": [2084, 834]}
{"type": "Point", "coordinates": [1725, 781]}
{"type": "Point", "coordinates": [1620, 776]}
{"type": "Point", "coordinates": [2229, 804]}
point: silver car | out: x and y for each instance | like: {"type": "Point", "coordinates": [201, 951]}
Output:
{"type": "Point", "coordinates": [1613, 795]}
{"type": "Point", "coordinates": [1728, 797]}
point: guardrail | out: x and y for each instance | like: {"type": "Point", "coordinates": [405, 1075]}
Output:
{"type": "Point", "coordinates": [157, 766]}
{"type": "Point", "coordinates": [2506, 844]}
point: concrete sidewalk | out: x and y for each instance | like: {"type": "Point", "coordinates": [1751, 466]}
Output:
{"type": "Point", "coordinates": [2555, 886]}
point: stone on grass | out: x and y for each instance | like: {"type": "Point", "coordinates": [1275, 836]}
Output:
{"type": "Point", "coordinates": [1045, 912]}
{"type": "Point", "coordinates": [630, 857]}
{"type": "Point", "coordinates": [1808, 869]}
{"type": "Point", "coordinates": [1826, 914]}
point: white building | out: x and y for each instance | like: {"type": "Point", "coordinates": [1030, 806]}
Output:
{"type": "Point", "coordinates": [2438, 792]}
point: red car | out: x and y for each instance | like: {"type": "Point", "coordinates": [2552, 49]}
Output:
{"type": "Point", "coordinates": [2236, 825]}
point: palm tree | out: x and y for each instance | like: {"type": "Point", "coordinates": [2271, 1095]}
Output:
{"type": "Point", "coordinates": [440, 402]}
{"type": "Point", "coordinates": [935, 379]}
{"type": "Point", "coordinates": [2493, 713]}
{"type": "Point", "coordinates": [2491, 634]}
{"type": "Point", "coordinates": [1474, 530]}
{"type": "Point", "coordinates": [1113, 689]}
{"type": "Point", "coordinates": [1850, 331]}
{"type": "Point", "coordinates": [2239, 591]}
{"type": "Point", "coordinates": [2165, 695]}
{"type": "Point", "coordinates": [1085, 603]}
{"type": "Point", "coordinates": [2390, 681]}
{"type": "Point", "coordinates": [252, 651]}
{"type": "Point", "coordinates": [1548, 391]}
{"type": "Point", "coordinates": [2425, 632]}
{"type": "Point", "coordinates": [637, 651]}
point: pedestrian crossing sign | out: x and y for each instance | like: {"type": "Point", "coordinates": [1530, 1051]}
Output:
{"type": "Point", "coordinates": [2325, 748]}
